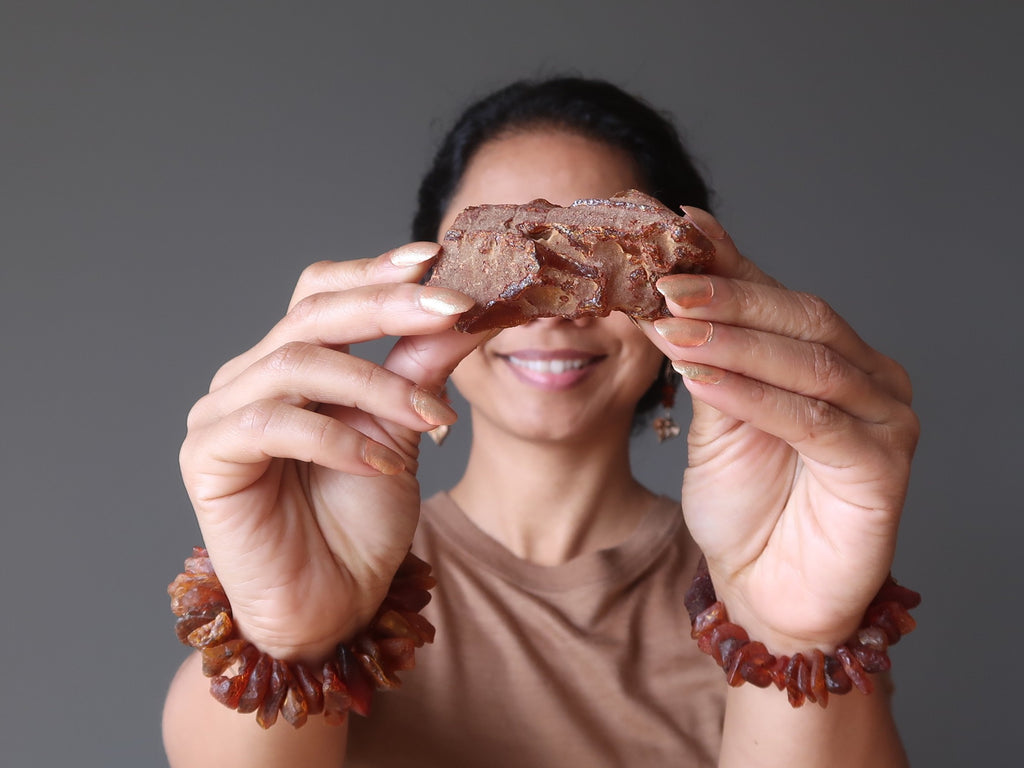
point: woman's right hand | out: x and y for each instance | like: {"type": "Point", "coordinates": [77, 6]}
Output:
{"type": "Point", "coordinates": [301, 460]}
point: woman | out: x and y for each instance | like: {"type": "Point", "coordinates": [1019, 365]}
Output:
{"type": "Point", "coordinates": [561, 635]}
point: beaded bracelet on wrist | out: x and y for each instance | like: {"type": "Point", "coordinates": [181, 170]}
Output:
{"type": "Point", "coordinates": [805, 677]}
{"type": "Point", "coordinates": [270, 686]}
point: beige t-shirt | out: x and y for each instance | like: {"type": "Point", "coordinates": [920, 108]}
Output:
{"type": "Point", "coordinates": [589, 663]}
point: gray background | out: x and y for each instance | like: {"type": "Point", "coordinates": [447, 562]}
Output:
{"type": "Point", "coordinates": [167, 168]}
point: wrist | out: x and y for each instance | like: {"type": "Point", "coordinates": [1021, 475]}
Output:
{"type": "Point", "coordinates": [249, 679]}
{"type": "Point", "coordinates": [812, 673]}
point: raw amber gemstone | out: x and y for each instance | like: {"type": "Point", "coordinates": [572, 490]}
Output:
{"type": "Point", "coordinates": [397, 653]}
{"type": "Point", "coordinates": [854, 670]}
{"type": "Point", "coordinates": [186, 625]}
{"type": "Point", "coordinates": [836, 679]}
{"type": "Point", "coordinates": [217, 658]}
{"type": "Point", "coordinates": [423, 627]}
{"type": "Point", "coordinates": [818, 686]}
{"type": "Point", "coordinates": [871, 659]}
{"type": "Point", "coordinates": [227, 690]}
{"type": "Point", "coordinates": [796, 695]}
{"type": "Point", "coordinates": [701, 593]}
{"type": "Point", "coordinates": [266, 713]}
{"type": "Point", "coordinates": [358, 682]}
{"type": "Point", "coordinates": [752, 663]}
{"type": "Point", "coordinates": [256, 687]}
{"type": "Point", "coordinates": [726, 639]}
{"type": "Point", "coordinates": [311, 688]}
{"type": "Point", "coordinates": [778, 670]}
{"type": "Point", "coordinates": [295, 710]}
{"type": "Point", "coordinates": [391, 623]}
{"type": "Point", "coordinates": [407, 597]}
{"type": "Point", "coordinates": [337, 697]}
{"type": "Point", "coordinates": [803, 679]}
{"type": "Point", "coordinates": [212, 633]}
{"type": "Point", "coordinates": [709, 618]}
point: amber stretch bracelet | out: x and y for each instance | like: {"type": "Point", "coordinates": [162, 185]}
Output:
{"type": "Point", "coordinates": [805, 677]}
{"type": "Point", "coordinates": [270, 686]}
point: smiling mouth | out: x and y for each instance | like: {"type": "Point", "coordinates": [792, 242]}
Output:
{"type": "Point", "coordinates": [554, 365]}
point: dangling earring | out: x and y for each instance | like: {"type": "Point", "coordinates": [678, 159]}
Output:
{"type": "Point", "coordinates": [439, 433]}
{"type": "Point", "coordinates": [665, 426]}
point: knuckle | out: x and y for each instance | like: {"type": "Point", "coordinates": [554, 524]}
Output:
{"type": "Point", "coordinates": [819, 314]}
{"type": "Point", "coordinates": [255, 417]}
{"type": "Point", "coordinates": [821, 417]}
{"type": "Point", "coordinates": [289, 358]}
{"type": "Point", "coordinates": [312, 278]}
{"type": "Point", "coordinates": [828, 368]}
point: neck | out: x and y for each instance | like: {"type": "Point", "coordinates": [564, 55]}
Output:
{"type": "Point", "coordinates": [551, 502]}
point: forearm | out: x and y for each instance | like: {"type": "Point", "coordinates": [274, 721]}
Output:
{"type": "Point", "coordinates": [855, 731]}
{"type": "Point", "coordinates": [200, 732]}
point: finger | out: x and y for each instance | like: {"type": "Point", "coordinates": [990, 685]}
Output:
{"type": "Point", "coordinates": [430, 360]}
{"type": "Point", "coordinates": [728, 261]}
{"type": "Point", "coordinates": [405, 264]}
{"type": "Point", "coordinates": [228, 455]}
{"type": "Point", "coordinates": [806, 368]}
{"type": "Point", "coordinates": [299, 373]}
{"type": "Point", "coordinates": [779, 311]}
{"type": "Point", "coordinates": [356, 315]}
{"type": "Point", "coordinates": [826, 436]}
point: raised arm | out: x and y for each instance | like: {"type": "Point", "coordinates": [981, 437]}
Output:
{"type": "Point", "coordinates": [799, 459]}
{"type": "Point", "coordinates": [300, 464]}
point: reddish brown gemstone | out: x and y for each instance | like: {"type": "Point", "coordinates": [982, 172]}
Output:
{"type": "Point", "coordinates": [397, 653]}
{"type": "Point", "coordinates": [793, 690]}
{"type": "Point", "coordinates": [358, 682]}
{"type": "Point", "coordinates": [836, 680]}
{"type": "Point", "coordinates": [726, 639]}
{"type": "Point", "coordinates": [217, 658]}
{"type": "Point", "coordinates": [709, 618]}
{"type": "Point", "coordinates": [186, 625]}
{"type": "Point", "coordinates": [423, 627]}
{"type": "Point", "coordinates": [337, 697]}
{"type": "Point", "coordinates": [311, 688]}
{"type": "Point", "coordinates": [818, 686]}
{"type": "Point", "coordinates": [212, 633]}
{"type": "Point", "coordinates": [854, 670]}
{"type": "Point", "coordinates": [227, 690]}
{"type": "Point", "coordinates": [752, 663]}
{"type": "Point", "coordinates": [266, 714]}
{"type": "Point", "coordinates": [778, 670]}
{"type": "Point", "coordinates": [256, 687]}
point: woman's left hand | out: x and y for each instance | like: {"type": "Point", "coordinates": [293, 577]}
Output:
{"type": "Point", "coordinates": [799, 449]}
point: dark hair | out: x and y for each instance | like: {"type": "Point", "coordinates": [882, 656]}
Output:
{"type": "Point", "coordinates": [593, 108]}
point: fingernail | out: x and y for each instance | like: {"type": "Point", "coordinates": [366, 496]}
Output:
{"type": "Point", "coordinates": [414, 253]}
{"type": "Point", "coordinates": [442, 301]}
{"type": "Point", "coordinates": [431, 408]}
{"type": "Point", "coordinates": [684, 332]}
{"type": "Point", "coordinates": [703, 374]}
{"type": "Point", "coordinates": [705, 222]}
{"type": "Point", "coordinates": [687, 290]}
{"type": "Point", "coordinates": [384, 460]}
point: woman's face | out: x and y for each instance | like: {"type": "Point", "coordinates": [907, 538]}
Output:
{"type": "Point", "coordinates": [553, 379]}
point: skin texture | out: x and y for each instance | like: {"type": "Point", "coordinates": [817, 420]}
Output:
{"type": "Point", "coordinates": [301, 461]}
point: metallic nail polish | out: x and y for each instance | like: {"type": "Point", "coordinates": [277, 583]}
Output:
{"type": "Point", "coordinates": [687, 290]}
{"type": "Point", "coordinates": [442, 301]}
{"type": "Point", "coordinates": [684, 332]}
{"type": "Point", "coordinates": [383, 460]}
{"type": "Point", "coordinates": [431, 408]}
{"type": "Point", "coordinates": [703, 374]}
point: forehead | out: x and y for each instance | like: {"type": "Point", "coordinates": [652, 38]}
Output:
{"type": "Point", "coordinates": [556, 165]}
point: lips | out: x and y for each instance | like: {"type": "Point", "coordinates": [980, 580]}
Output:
{"type": "Point", "coordinates": [551, 369]}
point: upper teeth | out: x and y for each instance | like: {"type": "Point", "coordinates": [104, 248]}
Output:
{"type": "Point", "coordinates": [548, 366]}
